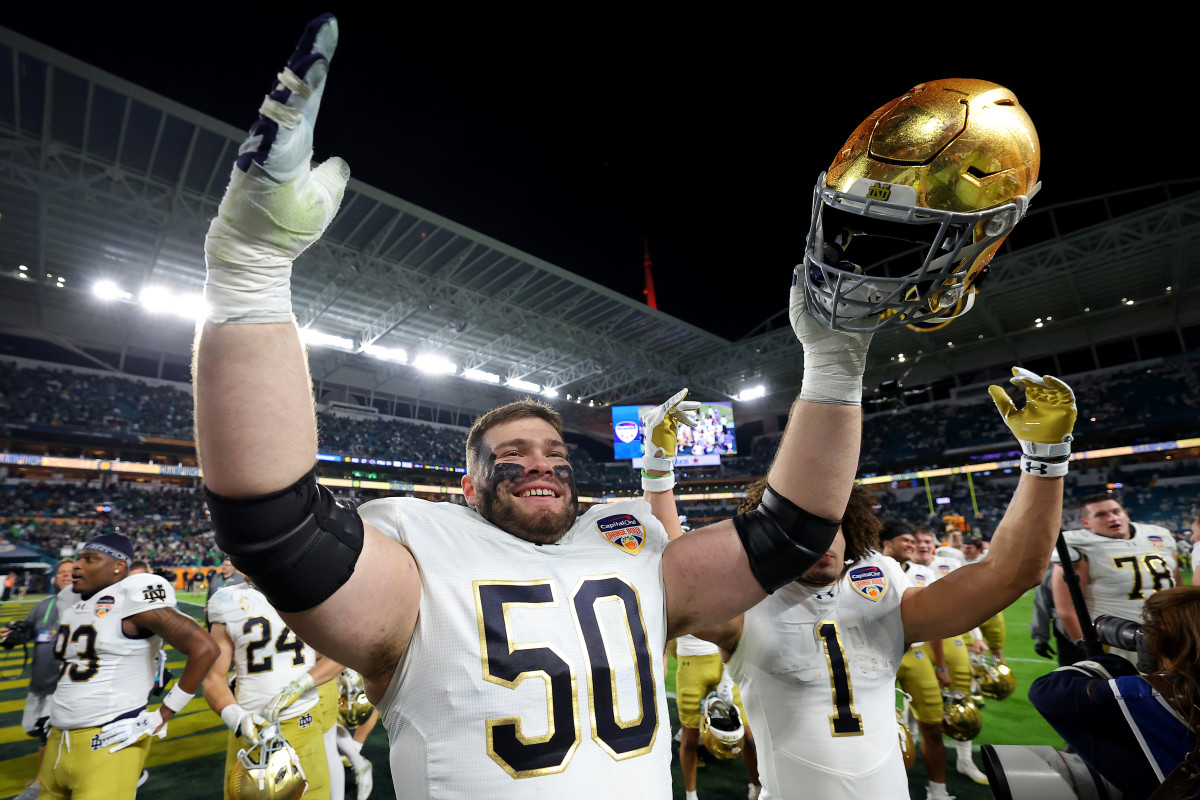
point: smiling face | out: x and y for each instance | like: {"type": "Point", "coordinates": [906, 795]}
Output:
{"type": "Point", "coordinates": [524, 484]}
{"type": "Point", "coordinates": [900, 547]}
{"type": "Point", "coordinates": [1106, 518]}
{"type": "Point", "coordinates": [925, 549]}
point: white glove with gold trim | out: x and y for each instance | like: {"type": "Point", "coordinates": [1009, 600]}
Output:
{"type": "Point", "coordinates": [276, 206]}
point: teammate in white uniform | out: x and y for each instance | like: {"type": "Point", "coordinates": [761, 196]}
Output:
{"type": "Point", "coordinates": [816, 660]}
{"type": "Point", "coordinates": [955, 655]}
{"type": "Point", "coordinates": [110, 627]}
{"type": "Point", "coordinates": [1122, 564]}
{"type": "Point", "coordinates": [512, 646]}
{"type": "Point", "coordinates": [268, 658]}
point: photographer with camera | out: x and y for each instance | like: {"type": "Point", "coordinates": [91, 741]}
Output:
{"type": "Point", "coordinates": [39, 627]}
{"type": "Point", "coordinates": [1136, 727]}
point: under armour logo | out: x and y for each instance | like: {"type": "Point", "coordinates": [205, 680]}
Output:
{"type": "Point", "coordinates": [152, 593]}
{"type": "Point", "coordinates": [824, 595]}
{"type": "Point", "coordinates": [95, 743]}
{"type": "Point", "coordinates": [1039, 468]}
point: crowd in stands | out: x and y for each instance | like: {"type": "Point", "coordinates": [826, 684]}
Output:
{"type": "Point", "coordinates": [1152, 401]}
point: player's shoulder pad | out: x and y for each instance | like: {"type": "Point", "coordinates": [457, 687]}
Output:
{"type": "Point", "coordinates": [638, 508]}
{"type": "Point", "coordinates": [224, 605]}
{"type": "Point", "coordinates": [388, 514]}
{"type": "Point", "coordinates": [145, 591]}
{"type": "Point", "coordinates": [1074, 555]}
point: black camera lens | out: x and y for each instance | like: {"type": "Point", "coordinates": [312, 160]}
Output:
{"type": "Point", "coordinates": [1118, 632]}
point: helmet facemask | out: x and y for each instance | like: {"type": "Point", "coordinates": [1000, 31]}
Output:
{"type": "Point", "coordinates": [872, 263]}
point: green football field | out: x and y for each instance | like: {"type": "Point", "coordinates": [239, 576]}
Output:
{"type": "Point", "coordinates": [189, 764]}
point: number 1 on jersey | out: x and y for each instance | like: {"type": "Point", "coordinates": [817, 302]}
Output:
{"type": "Point", "coordinates": [845, 722]}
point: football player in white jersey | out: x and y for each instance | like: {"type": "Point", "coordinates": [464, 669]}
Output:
{"type": "Point", "coordinates": [923, 672]}
{"type": "Point", "coordinates": [276, 672]}
{"type": "Point", "coordinates": [1121, 564]}
{"type": "Point", "coordinates": [110, 627]}
{"type": "Point", "coordinates": [511, 645]}
{"type": "Point", "coordinates": [816, 660]}
{"type": "Point", "coordinates": [956, 650]}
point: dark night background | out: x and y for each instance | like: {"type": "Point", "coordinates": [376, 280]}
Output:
{"type": "Point", "coordinates": [577, 132]}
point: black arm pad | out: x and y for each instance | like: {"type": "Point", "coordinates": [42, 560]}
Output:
{"type": "Point", "coordinates": [783, 540]}
{"type": "Point", "coordinates": [298, 546]}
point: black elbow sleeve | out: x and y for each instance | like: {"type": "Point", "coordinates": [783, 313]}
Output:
{"type": "Point", "coordinates": [297, 546]}
{"type": "Point", "coordinates": [783, 540]}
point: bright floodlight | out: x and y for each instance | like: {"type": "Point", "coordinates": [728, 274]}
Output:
{"type": "Point", "coordinates": [548, 392]}
{"type": "Point", "coordinates": [387, 353]}
{"type": "Point", "coordinates": [107, 290]}
{"type": "Point", "coordinates": [156, 299]}
{"type": "Point", "coordinates": [310, 336]}
{"type": "Point", "coordinates": [524, 386]}
{"type": "Point", "coordinates": [753, 393]}
{"type": "Point", "coordinates": [435, 364]}
{"type": "Point", "coordinates": [480, 375]}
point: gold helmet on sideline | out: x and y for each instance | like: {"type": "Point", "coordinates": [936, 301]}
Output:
{"type": "Point", "coordinates": [354, 709]}
{"type": "Point", "coordinates": [995, 679]}
{"type": "Point", "coordinates": [721, 729]}
{"type": "Point", "coordinates": [916, 203]}
{"type": "Point", "coordinates": [960, 718]}
{"type": "Point", "coordinates": [269, 769]}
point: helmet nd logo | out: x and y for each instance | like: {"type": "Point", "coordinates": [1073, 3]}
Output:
{"type": "Point", "coordinates": [879, 191]}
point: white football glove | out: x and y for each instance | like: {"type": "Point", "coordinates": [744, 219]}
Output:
{"type": "Point", "coordinates": [124, 732]}
{"type": "Point", "coordinates": [725, 688]}
{"type": "Point", "coordinates": [1043, 425]}
{"type": "Point", "coordinates": [290, 694]}
{"type": "Point", "coordinates": [242, 722]}
{"type": "Point", "coordinates": [661, 427]}
{"type": "Point", "coordinates": [275, 205]}
{"type": "Point", "coordinates": [834, 361]}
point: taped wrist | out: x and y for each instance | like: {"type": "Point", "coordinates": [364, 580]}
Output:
{"type": "Point", "coordinates": [298, 546]}
{"type": "Point", "coordinates": [783, 540]}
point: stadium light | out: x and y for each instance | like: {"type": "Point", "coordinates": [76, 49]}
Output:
{"type": "Point", "coordinates": [524, 386]}
{"type": "Point", "coordinates": [311, 337]}
{"type": "Point", "coordinates": [387, 353]}
{"type": "Point", "coordinates": [435, 364]}
{"type": "Point", "coordinates": [548, 392]}
{"type": "Point", "coordinates": [752, 393]}
{"type": "Point", "coordinates": [107, 290]}
{"type": "Point", "coordinates": [480, 375]}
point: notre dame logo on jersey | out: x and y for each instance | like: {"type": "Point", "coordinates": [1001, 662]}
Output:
{"type": "Point", "coordinates": [154, 593]}
{"type": "Point", "coordinates": [305, 720]}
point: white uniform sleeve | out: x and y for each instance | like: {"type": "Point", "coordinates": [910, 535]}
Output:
{"type": "Point", "coordinates": [222, 606]}
{"type": "Point", "coordinates": [144, 592]}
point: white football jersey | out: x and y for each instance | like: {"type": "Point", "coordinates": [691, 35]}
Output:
{"type": "Point", "coordinates": [952, 553]}
{"type": "Point", "coordinates": [105, 674]}
{"type": "Point", "coordinates": [533, 670]}
{"type": "Point", "coordinates": [817, 671]}
{"type": "Point", "coordinates": [1122, 573]}
{"type": "Point", "coordinates": [266, 653]}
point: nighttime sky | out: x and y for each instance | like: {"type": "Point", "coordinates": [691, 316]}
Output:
{"type": "Point", "coordinates": [576, 138]}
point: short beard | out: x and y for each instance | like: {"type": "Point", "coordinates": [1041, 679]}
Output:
{"type": "Point", "coordinates": [501, 511]}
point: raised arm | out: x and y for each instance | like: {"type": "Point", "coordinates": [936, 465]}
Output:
{"type": "Point", "coordinates": [1024, 539]}
{"type": "Point", "coordinates": [660, 427]}
{"type": "Point", "coordinates": [808, 487]}
{"type": "Point", "coordinates": [255, 425]}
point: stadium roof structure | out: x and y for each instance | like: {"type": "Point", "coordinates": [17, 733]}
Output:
{"type": "Point", "coordinates": [101, 179]}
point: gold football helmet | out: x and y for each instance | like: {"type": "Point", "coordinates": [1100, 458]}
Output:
{"type": "Point", "coordinates": [268, 770]}
{"type": "Point", "coordinates": [995, 679]}
{"type": "Point", "coordinates": [960, 718]}
{"type": "Point", "coordinates": [354, 709]}
{"type": "Point", "coordinates": [915, 205]}
{"type": "Point", "coordinates": [721, 729]}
